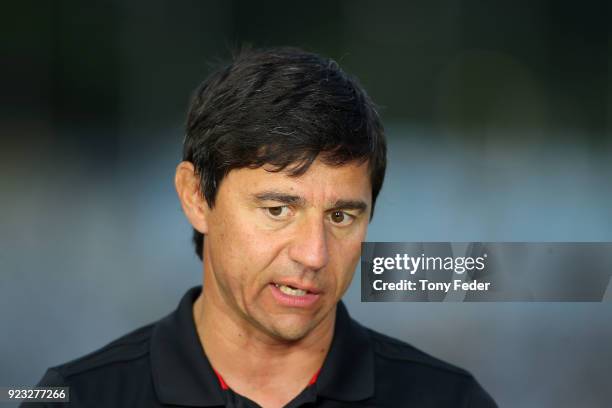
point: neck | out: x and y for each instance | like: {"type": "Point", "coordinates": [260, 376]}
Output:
{"type": "Point", "coordinates": [253, 363]}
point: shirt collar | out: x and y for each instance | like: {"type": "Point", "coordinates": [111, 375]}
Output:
{"type": "Point", "coordinates": [182, 374]}
{"type": "Point", "coordinates": [348, 371]}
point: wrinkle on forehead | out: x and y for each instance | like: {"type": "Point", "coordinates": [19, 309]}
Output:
{"type": "Point", "coordinates": [322, 184]}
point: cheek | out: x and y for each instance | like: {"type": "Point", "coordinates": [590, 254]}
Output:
{"type": "Point", "coordinates": [244, 251]}
{"type": "Point", "coordinates": [353, 243]}
{"type": "Point", "coordinates": [226, 250]}
{"type": "Point", "coordinates": [347, 252]}
{"type": "Point", "coordinates": [355, 251]}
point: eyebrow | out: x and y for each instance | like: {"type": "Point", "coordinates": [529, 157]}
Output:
{"type": "Point", "coordinates": [280, 197]}
{"type": "Point", "coordinates": [289, 199]}
{"type": "Point", "coordinates": [350, 205]}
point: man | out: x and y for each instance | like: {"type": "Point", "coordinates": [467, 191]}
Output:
{"type": "Point", "coordinates": [283, 160]}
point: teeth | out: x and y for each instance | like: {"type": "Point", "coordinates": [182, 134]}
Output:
{"type": "Point", "coordinates": [290, 291]}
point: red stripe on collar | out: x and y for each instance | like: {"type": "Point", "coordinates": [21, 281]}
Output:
{"type": "Point", "coordinates": [314, 377]}
{"type": "Point", "coordinates": [224, 385]}
{"type": "Point", "coordinates": [221, 381]}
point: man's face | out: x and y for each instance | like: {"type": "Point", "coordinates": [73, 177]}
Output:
{"type": "Point", "coordinates": [282, 250]}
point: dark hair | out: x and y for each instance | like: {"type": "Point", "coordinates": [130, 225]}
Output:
{"type": "Point", "coordinates": [283, 107]}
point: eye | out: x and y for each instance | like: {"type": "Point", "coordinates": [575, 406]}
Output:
{"type": "Point", "coordinates": [278, 213]}
{"type": "Point", "coordinates": [341, 218]}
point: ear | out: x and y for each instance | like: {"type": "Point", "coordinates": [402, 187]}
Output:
{"type": "Point", "coordinates": [195, 207]}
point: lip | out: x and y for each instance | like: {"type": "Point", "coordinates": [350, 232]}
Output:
{"type": "Point", "coordinates": [308, 288]}
{"type": "Point", "coordinates": [303, 301]}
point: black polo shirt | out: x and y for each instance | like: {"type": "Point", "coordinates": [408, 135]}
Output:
{"type": "Point", "coordinates": [163, 365]}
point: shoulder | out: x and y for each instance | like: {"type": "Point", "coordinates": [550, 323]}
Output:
{"type": "Point", "coordinates": [395, 351]}
{"type": "Point", "coordinates": [404, 369]}
{"type": "Point", "coordinates": [128, 348]}
{"type": "Point", "coordinates": [121, 363]}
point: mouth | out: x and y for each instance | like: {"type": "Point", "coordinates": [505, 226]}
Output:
{"type": "Point", "coordinates": [290, 290]}
{"type": "Point", "coordinates": [296, 289]}
{"type": "Point", "coordinates": [294, 295]}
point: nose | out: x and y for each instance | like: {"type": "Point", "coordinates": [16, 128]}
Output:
{"type": "Point", "coordinates": [309, 247]}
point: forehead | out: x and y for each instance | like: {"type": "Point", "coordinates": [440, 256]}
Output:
{"type": "Point", "coordinates": [320, 181]}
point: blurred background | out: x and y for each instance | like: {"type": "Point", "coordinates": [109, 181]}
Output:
{"type": "Point", "coordinates": [498, 120]}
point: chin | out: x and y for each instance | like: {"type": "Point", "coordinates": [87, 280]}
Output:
{"type": "Point", "coordinates": [292, 331]}
{"type": "Point", "coordinates": [290, 336]}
